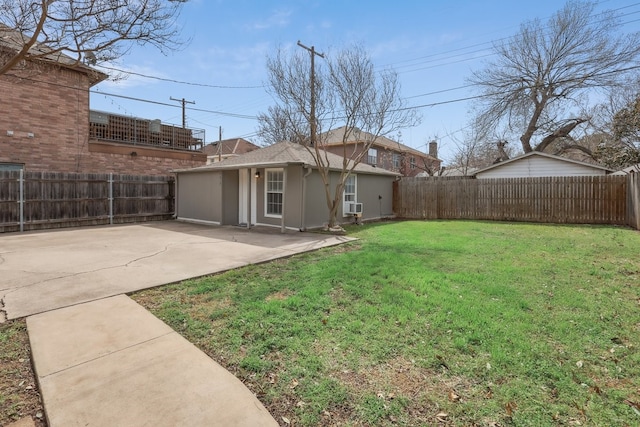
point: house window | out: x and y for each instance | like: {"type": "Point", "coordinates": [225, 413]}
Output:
{"type": "Point", "coordinates": [11, 166]}
{"type": "Point", "coordinates": [412, 162]}
{"type": "Point", "coordinates": [396, 160]}
{"type": "Point", "coordinates": [372, 157]}
{"type": "Point", "coordinates": [349, 194]}
{"type": "Point", "coordinates": [274, 192]}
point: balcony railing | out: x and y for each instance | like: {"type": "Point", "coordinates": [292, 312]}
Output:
{"type": "Point", "coordinates": [136, 131]}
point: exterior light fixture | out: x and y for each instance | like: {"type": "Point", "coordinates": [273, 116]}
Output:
{"type": "Point", "coordinates": [257, 174]}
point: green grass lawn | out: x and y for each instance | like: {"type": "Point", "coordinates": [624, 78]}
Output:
{"type": "Point", "coordinates": [431, 323]}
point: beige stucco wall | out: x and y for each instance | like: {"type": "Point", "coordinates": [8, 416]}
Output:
{"type": "Point", "coordinates": [230, 195]}
{"type": "Point", "coordinates": [292, 199]}
{"type": "Point", "coordinates": [199, 196]}
{"type": "Point", "coordinates": [213, 196]}
{"type": "Point", "coordinates": [369, 187]}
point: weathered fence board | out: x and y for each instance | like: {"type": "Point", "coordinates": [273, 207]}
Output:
{"type": "Point", "coordinates": [633, 201]}
{"type": "Point", "coordinates": [53, 200]}
{"type": "Point", "coordinates": [578, 200]}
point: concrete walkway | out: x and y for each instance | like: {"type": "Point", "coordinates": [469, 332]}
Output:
{"type": "Point", "coordinates": [103, 360]}
{"type": "Point", "coordinates": [112, 363]}
{"type": "Point", "coordinates": [42, 271]}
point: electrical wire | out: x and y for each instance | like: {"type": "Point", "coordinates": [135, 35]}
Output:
{"type": "Point", "coordinates": [164, 79]}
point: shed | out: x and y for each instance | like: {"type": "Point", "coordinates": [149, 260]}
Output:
{"type": "Point", "coordinates": [279, 186]}
{"type": "Point", "coordinates": [537, 164]}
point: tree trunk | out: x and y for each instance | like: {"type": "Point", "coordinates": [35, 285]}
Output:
{"type": "Point", "coordinates": [562, 132]}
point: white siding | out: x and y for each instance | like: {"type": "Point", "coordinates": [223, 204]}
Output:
{"type": "Point", "coordinates": [538, 166]}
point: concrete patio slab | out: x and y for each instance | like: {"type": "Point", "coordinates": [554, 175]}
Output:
{"type": "Point", "coordinates": [41, 271]}
{"type": "Point", "coordinates": [110, 362]}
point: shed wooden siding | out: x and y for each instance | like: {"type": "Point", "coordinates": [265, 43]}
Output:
{"type": "Point", "coordinates": [582, 200]}
{"type": "Point", "coordinates": [375, 192]}
{"type": "Point", "coordinates": [536, 166]}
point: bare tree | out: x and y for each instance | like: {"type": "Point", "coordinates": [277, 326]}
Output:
{"type": "Point", "coordinates": [273, 127]}
{"type": "Point", "coordinates": [85, 30]}
{"type": "Point", "coordinates": [541, 76]}
{"type": "Point", "coordinates": [475, 152]}
{"type": "Point", "coordinates": [347, 92]}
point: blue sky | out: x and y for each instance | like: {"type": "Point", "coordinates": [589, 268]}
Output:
{"type": "Point", "coordinates": [432, 44]}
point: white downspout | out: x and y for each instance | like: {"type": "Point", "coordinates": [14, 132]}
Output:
{"type": "Point", "coordinates": [284, 196]}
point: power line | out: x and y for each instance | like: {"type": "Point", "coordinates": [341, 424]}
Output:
{"type": "Point", "coordinates": [222, 113]}
{"type": "Point", "coordinates": [164, 79]}
{"type": "Point", "coordinates": [502, 39]}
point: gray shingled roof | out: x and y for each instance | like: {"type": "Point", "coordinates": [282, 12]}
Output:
{"type": "Point", "coordinates": [229, 146]}
{"type": "Point", "coordinates": [283, 154]}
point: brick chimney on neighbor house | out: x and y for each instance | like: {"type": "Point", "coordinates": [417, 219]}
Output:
{"type": "Point", "coordinates": [433, 149]}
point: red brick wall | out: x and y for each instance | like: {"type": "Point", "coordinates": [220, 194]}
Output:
{"type": "Point", "coordinates": [52, 103]}
{"type": "Point", "coordinates": [385, 159]}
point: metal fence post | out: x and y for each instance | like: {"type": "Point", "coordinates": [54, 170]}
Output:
{"type": "Point", "coordinates": [111, 199]}
{"type": "Point", "coordinates": [21, 199]}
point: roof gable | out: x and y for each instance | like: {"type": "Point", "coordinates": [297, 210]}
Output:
{"type": "Point", "coordinates": [536, 157]}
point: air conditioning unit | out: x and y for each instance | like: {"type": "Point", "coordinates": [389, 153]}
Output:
{"type": "Point", "coordinates": [354, 208]}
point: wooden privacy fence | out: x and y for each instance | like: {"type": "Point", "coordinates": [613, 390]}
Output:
{"type": "Point", "coordinates": [578, 200]}
{"type": "Point", "coordinates": [39, 200]}
{"type": "Point", "coordinates": [633, 200]}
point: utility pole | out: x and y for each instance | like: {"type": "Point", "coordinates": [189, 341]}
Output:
{"type": "Point", "coordinates": [183, 102]}
{"type": "Point", "coordinates": [312, 119]}
{"type": "Point", "coordinates": [219, 143]}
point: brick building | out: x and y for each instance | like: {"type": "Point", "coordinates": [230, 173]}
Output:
{"type": "Point", "coordinates": [45, 126]}
{"type": "Point", "coordinates": [384, 152]}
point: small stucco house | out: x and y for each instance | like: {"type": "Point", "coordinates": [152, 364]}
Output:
{"type": "Point", "coordinates": [537, 164]}
{"type": "Point", "coordinates": [279, 186]}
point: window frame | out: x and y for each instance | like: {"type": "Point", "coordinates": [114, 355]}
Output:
{"type": "Point", "coordinates": [397, 160]}
{"type": "Point", "coordinates": [372, 156]}
{"type": "Point", "coordinates": [268, 173]}
{"type": "Point", "coordinates": [345, 194]}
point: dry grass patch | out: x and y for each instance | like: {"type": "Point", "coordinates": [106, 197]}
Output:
{"type": "Point", "coordinates": [19, 395]}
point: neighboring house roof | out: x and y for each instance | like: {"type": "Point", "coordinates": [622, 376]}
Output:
{"type": "Point", "coordinates": [13, 40]}
{"type": "Point", "coordinates": [335, 137]}
{"type": "Point", "coordinates": [451, 171]}
{"type": "Point", "coordinates": [283, 154]}
{"type": "Point", "coordinates": [227, 147]}
{"type": "Point", "coordinates": [535, 157]}
{"type": "Point", "coordinates": [629, 169]}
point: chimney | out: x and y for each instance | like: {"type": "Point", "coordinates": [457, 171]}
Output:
{"type": "Point", "coordinates": [433, 149]}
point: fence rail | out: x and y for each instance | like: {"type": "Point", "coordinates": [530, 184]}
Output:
{"type": "Point", "coordinates": [578, 200]}
{"type": "Point", "coordinates": [38, 200]}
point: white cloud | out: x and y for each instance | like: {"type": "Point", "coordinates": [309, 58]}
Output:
{"type": "Point", "coordinates": [279, 18]}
